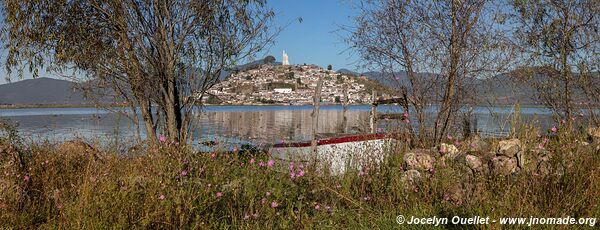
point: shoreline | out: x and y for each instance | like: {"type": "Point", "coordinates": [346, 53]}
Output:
{"type": "Point", "coordinates": [68, 106]}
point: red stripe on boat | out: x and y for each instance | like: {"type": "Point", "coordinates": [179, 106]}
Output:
{"type": "Point", "coordinates": [335, 140]}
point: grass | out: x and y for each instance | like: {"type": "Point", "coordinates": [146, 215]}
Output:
{"type": "Point", "coordinates": [72, 185]}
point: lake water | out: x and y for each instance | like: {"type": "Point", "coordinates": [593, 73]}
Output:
{"type": "Point", "coordinates": [238, 124]}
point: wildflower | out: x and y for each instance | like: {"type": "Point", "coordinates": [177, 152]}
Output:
{"type": "Point", "coordinates": [554, 129]}
{"type": "Point", "coordinates": [270, 163]}
{"type": "Point", "coordinates": [405, 115]}
{"type": "Point", "coordinates": [242, 164]}
{"type": "Point", "coordinates": [213, 155]}
{"type": "Point", "coordinates": [541, 146]}
{"type": "Point", "coordinates": [261, 164]}
{"type": "Point", "coordinates": [26, 178]}
{"type": "Point", "coordinates": [183, 173]}
{"type": "Point", "coordinates": [252, 161]}
{"type": "Point", "coordinates": [473, 145]}
{"type": "Point", "coordinates": [268, 193]}
{"type": "Point", "coordinates": [300, 173]}
{"type": "Point", "coordinates": [274, 204]}
{"type": "Point", "coordinates": [317, 207]}
{"type": "Point", "coordinates": [162, 138]}
{"type": "Point", "coordinates": [161, 197]}
{"type": "Point", "coordinates": [449, 137]}
{"type": "Point", "coordinates": [219, 194]}
{"type": "Point", "coordinates": [443, 149]}
{"type": "Point", "coordinates": [563, 121]}
{"type": "Point", "coordinates": [292, 175]}
{"type": "Point", "coordinates": [246, 217]}
{"type": "Point", "coordinates": [46, 161]}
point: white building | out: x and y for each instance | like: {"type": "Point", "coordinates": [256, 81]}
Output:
{"type": "Point", "coordinates": [285, 59]}
{"type": "Point", "coordinates": [282, 90]}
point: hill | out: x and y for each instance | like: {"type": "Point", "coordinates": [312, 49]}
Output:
{"type": "Point", "coordinates": [40, 91]}
{"type": "Point", "coordinates": [292, 84]}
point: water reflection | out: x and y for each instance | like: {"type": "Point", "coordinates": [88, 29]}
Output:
{"type": "Point", "coordinates": [266, 124]}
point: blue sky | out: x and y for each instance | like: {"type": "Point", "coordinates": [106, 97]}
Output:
{"type": "Point", "coordinates": [315, 40]}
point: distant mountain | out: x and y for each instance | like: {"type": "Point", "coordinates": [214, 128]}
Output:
{"type": "Point", "coordinates": [500, 89]}
{"type": "Point", "coordinates": [41, 91]}
{"type": "Point", "coordinates": [348, 72]}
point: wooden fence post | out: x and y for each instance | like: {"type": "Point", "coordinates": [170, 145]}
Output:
{"type": "Point", "coordinates": [374, 112]}
{"type": "Point", "coordinates": [345, 112]}
{"type": "Point", "coordinates": [315, 114]}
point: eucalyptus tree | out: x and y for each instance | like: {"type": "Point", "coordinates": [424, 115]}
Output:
{"type": "Point", "coordinates": [443, 47]}
{"type": "Point", "coordinates": [160, 56]}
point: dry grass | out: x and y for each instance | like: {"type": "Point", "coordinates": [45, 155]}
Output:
{"type": "Point", "coordinates": [77, 186]}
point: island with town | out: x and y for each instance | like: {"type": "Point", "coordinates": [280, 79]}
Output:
{"type": "Point", "coordinates": [286, 84]}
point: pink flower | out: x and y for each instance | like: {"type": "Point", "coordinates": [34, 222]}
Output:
{"type": "Point", "coordinates": [301, 173]}
{"type": "Point", "coordinates": [405, 115]}
{"type": "Point", "coordinates": [541, 146]}
{"type": "Point", "coordinates": [161, 197]}
{"type": "Point", "coordinates": [274, 204]}
{"type": "Point", "coordinates": [183, 173]}
{"type": "Point", "coordinates": [252, 161]}
{"type": "Point", "coordinates": [317, 206]}
{"type": "Point", "coordinates": [292, 175]}
{"type": "Point", "coordinates": [563, 121]}
{"type": "Point", "coordinates": [268, 193]}
{"type": "Point", "coordinates": [554, 129]}
{"type": "Point", "coordinates": [271, 163]}
{"type": "Point", "coordinates": [162, 138]}
{"type": "Point", "coordinates": [261, 164]}
{"type": "Point", "coordinates": [26, 178]}
{"type": "Point", "coordinates": [219, 194]}
{"type": "Point", "coordinates": [473, 145]}
{"type": "Point", "coordinates": [449, 137]}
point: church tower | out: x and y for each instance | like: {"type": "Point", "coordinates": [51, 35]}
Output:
{"type": "Point", "coordinates": [285, 59]}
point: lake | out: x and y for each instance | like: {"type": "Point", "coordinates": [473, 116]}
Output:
{"type": "Point", "coordinates": [239, 124]}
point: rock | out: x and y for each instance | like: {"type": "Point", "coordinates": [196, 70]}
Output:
{"type": "Point", "coordinates": [410, 179]}
{"type": "Point", "coordinates": [476, 144]}
{"type": "Point", "coordinates": [448, 150]}
{"type": "Point", "coordinates": [502, 165]}
{"type": "Point", "coordinates": [594, 133]}
{"type": "Point", "coordinates": [455, 194]}
{"type": "Point", "coordinates": [419, 159]}
{"type": "Point", "coordinates": [509, 148]}
{"type": "Point", "coordinates": [474, 163]}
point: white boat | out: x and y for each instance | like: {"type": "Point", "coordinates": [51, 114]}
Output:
{"type": "Point", "coordinates": [340, 153]}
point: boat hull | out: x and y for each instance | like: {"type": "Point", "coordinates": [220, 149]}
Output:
{"type": "Point", "coordinates": [338, 155]}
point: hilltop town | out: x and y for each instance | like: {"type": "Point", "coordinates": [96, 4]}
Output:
{"type": "Point", "coordinates": [290, 85]}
